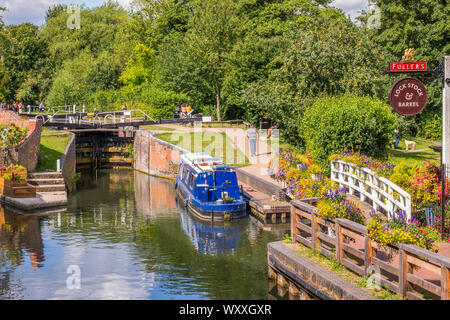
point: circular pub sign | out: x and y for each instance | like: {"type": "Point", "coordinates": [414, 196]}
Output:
{"type": "Point", "coordinates": [408, 96]}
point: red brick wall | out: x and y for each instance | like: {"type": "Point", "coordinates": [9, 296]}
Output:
{"type": "Point", "coordinates": [156, 157]}
{"type": "Point", "coordinates": [27, 151]}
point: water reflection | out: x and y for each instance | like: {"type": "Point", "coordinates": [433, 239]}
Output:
{"type": "Point", "coordinates": [131, 241]}
{"type": "Point", "coordinates": [209, 237]}
{"type": "Point", "coordinates": [17, 233]}
{"type": "Point", "coordinates": [153, 198]}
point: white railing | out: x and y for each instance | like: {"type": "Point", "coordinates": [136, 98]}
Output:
{"type": "Point", "coordinates": [369, 185]}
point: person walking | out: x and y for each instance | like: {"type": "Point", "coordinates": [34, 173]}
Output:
{"type": "Point", "coordinates": [252, 135]}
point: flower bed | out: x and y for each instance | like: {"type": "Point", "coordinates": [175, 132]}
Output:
{"type": "Point", "coordinates": [398, 230]}
{"type": "Point", "coordinates": [303, 178]}
{"type": "Point", "coordinates": [300, 176]}
{"type": "Point", "coordinates": [383, 169]}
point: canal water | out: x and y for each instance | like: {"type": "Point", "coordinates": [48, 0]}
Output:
{"type": "Point", "coordinates": [124, 236]}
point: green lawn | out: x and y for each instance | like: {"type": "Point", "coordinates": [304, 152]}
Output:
{"type": "Point", "coordinates": [53, 144]}
{"type": "Point", "coordinates": [156, 127]}
{"type": "Point", "coordinates": [398, 155]}
{"type": "Point", "coordinates": [218, 144]}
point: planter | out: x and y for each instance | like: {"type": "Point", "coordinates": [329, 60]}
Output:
{"type": "Point", "coordinates": [22, 174]}
{"type": "Point", "coordinates": [22, 191]}
{"type": "Point", "coordinates": [4, 184]}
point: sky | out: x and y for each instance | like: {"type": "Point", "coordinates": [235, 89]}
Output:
{"type": "Point", "coordinates": [33, 11]}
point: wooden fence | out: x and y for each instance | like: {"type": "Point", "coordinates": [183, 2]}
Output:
{"type": "Point", "coordinates": [411, 271]}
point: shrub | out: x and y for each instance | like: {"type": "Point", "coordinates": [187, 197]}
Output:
{"type": "Point", "coordinates": [403, 174]}
{"type": "Point", "coordinates": [425, 186]}
{"type": "Point", "coordinates": [430, 125]}
{"type": "Point", "coordinates": [159, 103]}
{"type": "Point", "coordinates": [361, 124]}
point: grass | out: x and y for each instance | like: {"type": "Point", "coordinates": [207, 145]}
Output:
{"type": "Point", "coordinates": [52, 148]}
{"type": "Point", "coordinates": [334, 266]}
{"type": "Point", "coordinates": [218, 144]}
{"type": "Point", "coordinates": [398, 155]}
{"type": "Point", "coordinates": [224, 125]}
{"type": "Point", "coordinates": [156, 127]}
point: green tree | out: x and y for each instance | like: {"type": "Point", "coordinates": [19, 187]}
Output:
{"type": "Point", "coordinates": [4, 80]}
{"type": "Point", "coordinates": [213, 31]}
{"type": "Point", "coordinates": [23, 51]}
{"type": "Point", "coordinates": [419, 24]}
{"type": "Point", "coordinates": [324, 54]}
{"type": "Point", "coordinates": [140, 68]}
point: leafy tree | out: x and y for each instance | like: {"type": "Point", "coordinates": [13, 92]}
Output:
{"type": "Point", "coordinates": [4, 80]}
{"type": "Point", "coordinates": [213, 31]}
{"type": "Point", "coordinates": [140, 68]}
{"type": "Point", "coordinates": [419, 24]}
{"type": "Point", "coordinates": [23, 51]}
{"type": "Point", "coordinates": [327, 55]}
{"type": "Point", "coordinates": [1, 17]}
{"type": "Point", "coordinates": [153, 21]}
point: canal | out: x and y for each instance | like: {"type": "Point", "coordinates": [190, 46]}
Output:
{"type": "Point", "coordinates": [125, 237]}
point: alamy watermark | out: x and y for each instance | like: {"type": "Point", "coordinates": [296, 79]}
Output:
{"type": "Point", "coordinates": [74, 20]}
{"type": "Point", "coordinates": [374, 280]}
{"type": "Point", "coordinates": [73, 281]}
{"type": "Point", "coordinates": [232, 145]}
{"type": "Point", "coordinates": [373, 17]}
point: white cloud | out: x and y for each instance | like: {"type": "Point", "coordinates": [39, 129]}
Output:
{"type": "Point", "coordinates": [352, 7]}
{"type": "Point", "coordinates": [20, 11]}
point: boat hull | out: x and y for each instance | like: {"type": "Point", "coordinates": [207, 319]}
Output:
{"type": "Point", "coordinates": [232, 211]}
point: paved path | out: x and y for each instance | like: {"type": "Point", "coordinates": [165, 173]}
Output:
{"type": "Point", "coordinates": [258, 164]}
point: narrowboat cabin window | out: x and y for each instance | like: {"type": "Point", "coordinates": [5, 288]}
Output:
{"type": "Point", "coordinates": [181, 172]}
{"type": "Point", "coordinates": [191, 181]}
{"type": "Point", "coordinates": [187, 175]}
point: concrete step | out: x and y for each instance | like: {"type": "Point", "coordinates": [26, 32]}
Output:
{"type": "Point", "coordinates": [40, 182]}
{"type": "Point", "coordinates": [45, 175]}
{"type": "Point", "coordinates": [51, 188]}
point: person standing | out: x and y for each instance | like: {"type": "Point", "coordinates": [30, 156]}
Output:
{"type": "Point", "coordinates": [252, 135]}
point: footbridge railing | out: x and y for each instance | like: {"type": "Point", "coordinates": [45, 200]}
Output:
{"type": "Point", "coordinates": [378, 191]}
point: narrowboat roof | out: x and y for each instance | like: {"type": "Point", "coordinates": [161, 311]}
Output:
{"type": "Point", "coordinates": [201, 161]}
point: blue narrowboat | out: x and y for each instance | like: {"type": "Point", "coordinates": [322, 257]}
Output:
{"type": "Point", "coordinates": [208, 188]}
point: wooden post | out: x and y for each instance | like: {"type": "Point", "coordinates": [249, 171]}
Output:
{"type": "Point", "coordinates": [403, 271]}
{"type": "Point", "coordinates": [445, 283]}
{"type": "Point", "coordinates": [339, 238]}
{"type": "Point", "coordinates": [314, 238]}
{"type": "Point", "coordinates": [367, 253]}
{"type": "Point", "coordinates": [293, 291]}
{"type": "Point", "coordinates": [293, 224]}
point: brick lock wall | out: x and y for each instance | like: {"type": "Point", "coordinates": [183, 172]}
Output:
{"type": "Point", "coordinates": [27, 151]}
{"type": "Point", "coordinates": [156, 157]}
